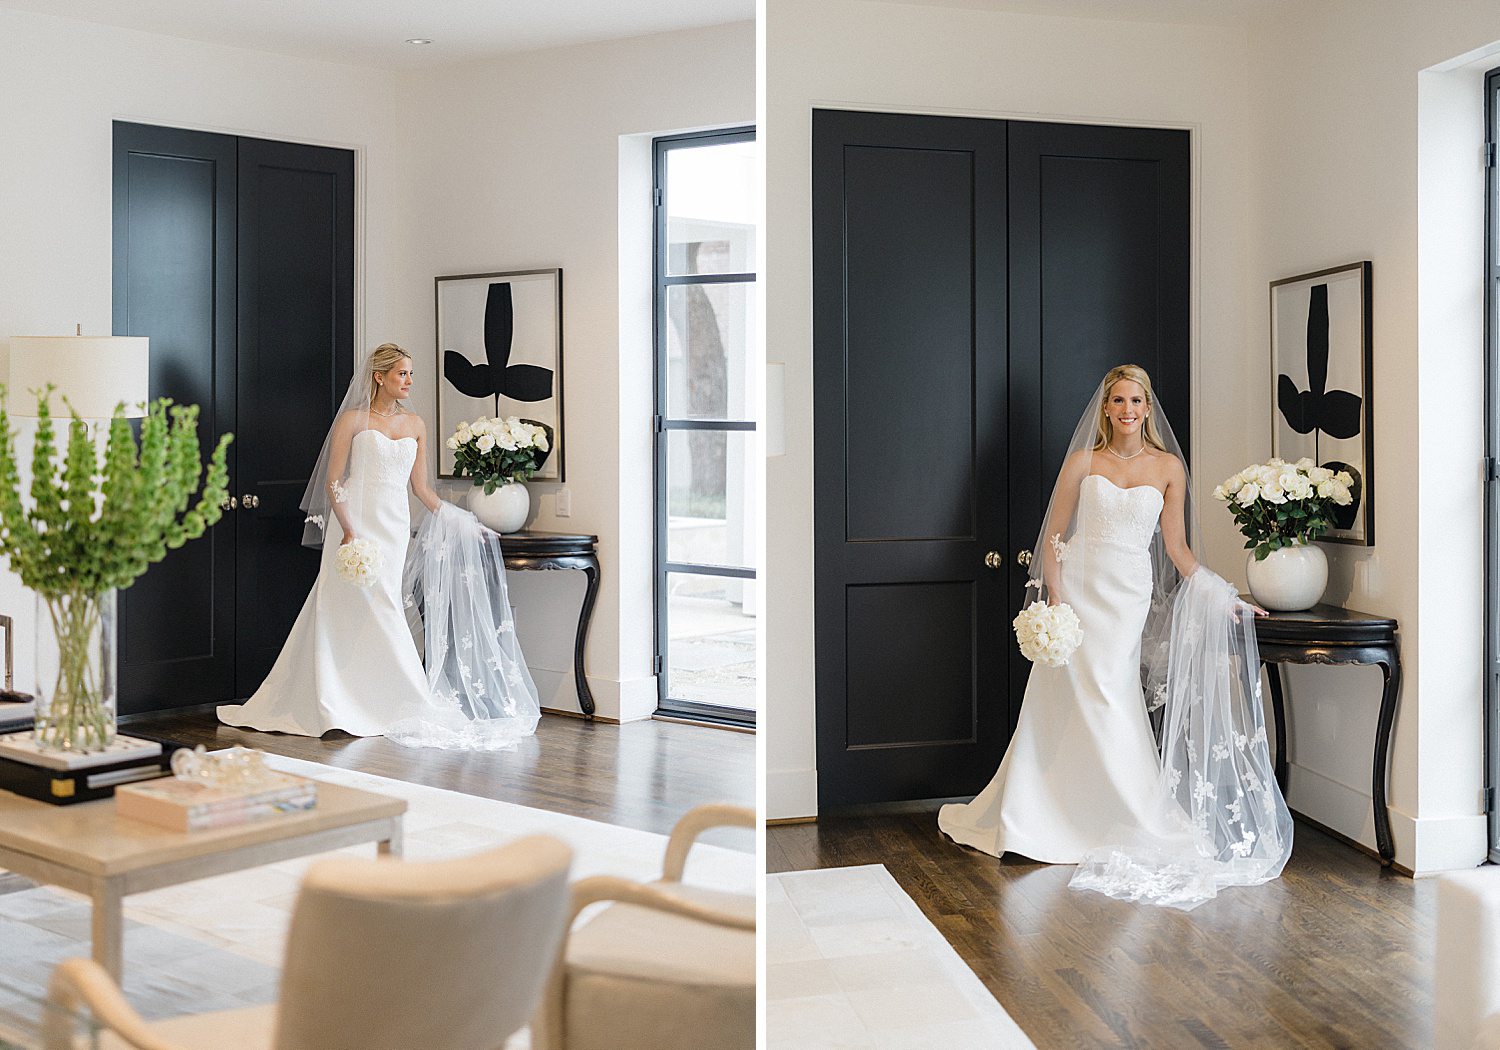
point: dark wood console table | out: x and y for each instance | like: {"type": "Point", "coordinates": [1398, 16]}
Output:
{"type": "Point", "coordinates": [1326, 634]}
{"type": "Point", "coordinates": [561, 550]}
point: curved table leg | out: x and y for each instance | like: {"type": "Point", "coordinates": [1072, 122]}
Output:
{"type": "Point", "coordinates": [585, 695]}
{"type": "Point", "coordinates": [1390, 670]}
{"type": "Point", "coordinates": [1278, 711]}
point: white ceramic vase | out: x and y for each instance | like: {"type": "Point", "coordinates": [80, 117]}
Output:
{"type": "Point", "coordinates": [1290, 579]}
{"type": "Point", "coordinates": [503, 510]}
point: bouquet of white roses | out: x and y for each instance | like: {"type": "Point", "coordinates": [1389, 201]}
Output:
{"type": "Point", "coordinates": [1278, 504]}
{"type": "Point", "coordinates": [497, 451]}
{"type": "Point", "coordinates": [359, 562]}
{"type": "Point", "coordinates": [1048, 634]}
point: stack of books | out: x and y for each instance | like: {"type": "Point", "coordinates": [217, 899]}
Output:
{"type": "Point", "coordinates": [179, 804]}
{"type": "Point", "coordinates": [63, 777]}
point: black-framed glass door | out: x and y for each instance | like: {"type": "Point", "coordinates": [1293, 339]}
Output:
{"type": "Point", "coordinates": [707, 460]}
{"type": "Point", "coordinates": [1492, 455]}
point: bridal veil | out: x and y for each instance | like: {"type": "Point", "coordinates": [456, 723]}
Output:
{"type": "Point", "coordinates": [480, 695]}
{"type": "Point", "coordinates": [1200, 671]}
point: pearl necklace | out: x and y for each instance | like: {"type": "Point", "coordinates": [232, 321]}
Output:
{"type": "Point", "coordinates": [394, 409]}
{"type": "Point", "coordinates": [1111, 450]}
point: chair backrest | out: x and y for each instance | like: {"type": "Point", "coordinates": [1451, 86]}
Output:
{"type": "Point", "coordinates": [447, 955]}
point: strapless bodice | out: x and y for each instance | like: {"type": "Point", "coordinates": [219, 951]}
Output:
{"type": "Point", "coordinates": [382, 460]}
{"type": "Point", "coordinates": [1123, 517]}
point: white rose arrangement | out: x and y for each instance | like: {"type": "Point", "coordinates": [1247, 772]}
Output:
{"type": "Point", "coordinates": [359, 562]}
{"type": "Point", "coordinates": [497, 451]}
{"type": "Point", "coordinates": [1279, 504]}
{"type": "Point", "coordinates": [1048, 634]}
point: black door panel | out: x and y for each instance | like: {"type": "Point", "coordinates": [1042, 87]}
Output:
{"type": "Point", "coordinates": [973, 280]}
{"type": "Point", "coordinates": [235, 257]}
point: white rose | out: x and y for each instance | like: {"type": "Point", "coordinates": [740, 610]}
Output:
{"type": "Point", "coordinates": [1344, 478]}
{"type": "Point", "coordinates": [453, 443]}
{"type": "Point", "coordinates": [1327, 487]}
{"type": "Point", "coordinates": [1272, 492]}
{"type": "Point", "coordinates": [1300, 488]}
{"type": "Point", "coordinates": [1318, 475]}
{"type": "Point", "coordinates": [1248, 494]}
{"type": "Point", "coordinates": [486, 442]}
{"type": "Point", "coordinates": [541, 439]}
{"type": "Point", "coordinates": [1304, 463]}
{"type": "Point", "coordinates": [1220, 493]}
{"type": "Point", "coordinates": [463, 433]}
{"type": "Point", "coordinates": [1341, 495]}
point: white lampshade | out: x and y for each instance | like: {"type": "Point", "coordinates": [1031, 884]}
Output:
{"type": "Point", "coordinates": [94, 372]}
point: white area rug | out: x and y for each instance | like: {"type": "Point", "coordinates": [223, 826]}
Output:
{"type": "Point", "coordinates": [217, 943]}
{"type": "Point", "coordinates": [851, 962]}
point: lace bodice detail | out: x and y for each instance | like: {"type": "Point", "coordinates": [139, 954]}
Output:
{"type": "Point", "coordinates": [1125, 517]}
{"type": "Point", "coordinates": [382, 459]}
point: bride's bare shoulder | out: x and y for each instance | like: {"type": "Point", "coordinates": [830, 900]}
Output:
{"type": "Point", "coordinates": [1167, 465]}
{"type": "Point", "coordinates": [412, 425]}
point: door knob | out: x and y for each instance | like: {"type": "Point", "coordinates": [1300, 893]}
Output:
{"type": "Point", "coordinates": [250, 502]}
{"type": "Point", "coordinates": [993, 559]}
{"type": "Point", "coordinates": [230, 503]}
{"type": "Point", "coordinates": [1023, 559]}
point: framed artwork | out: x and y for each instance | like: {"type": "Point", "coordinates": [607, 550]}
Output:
{"type": "Point", "coordinates": [1321, 371]}
{"type": "Point", "coordinates": [499, 353]}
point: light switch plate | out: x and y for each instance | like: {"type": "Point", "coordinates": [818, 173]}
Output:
{"type": "Point", "coordinates": [564, 503]}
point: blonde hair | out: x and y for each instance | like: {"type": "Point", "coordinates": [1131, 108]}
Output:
{"type": "Point", "coordinates": [385, 357]}
{"type": "Point", "coordinates": [1105, 429]}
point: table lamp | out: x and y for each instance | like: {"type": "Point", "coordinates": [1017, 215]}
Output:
{"type": "Point", "coordinates": [93, 372]}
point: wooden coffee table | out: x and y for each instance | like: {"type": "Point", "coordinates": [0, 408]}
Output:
{"type": "Point", "coordinates": [88, 848]}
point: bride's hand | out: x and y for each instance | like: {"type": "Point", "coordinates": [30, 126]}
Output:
{"type": "Point", "coordinates": [349, 537]}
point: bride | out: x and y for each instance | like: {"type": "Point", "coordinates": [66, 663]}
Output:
{"type": "Point", "coordinates": [350, 662]}
{"type": "Point", "coordinates": [1083, 780]}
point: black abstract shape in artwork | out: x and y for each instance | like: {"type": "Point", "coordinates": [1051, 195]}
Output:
{"type": "Point", "coordinates": [1345, 517]}
{"type": "Point", "coordinates": [1334, 412]}
{"type": "Point", "coordinates": [498, 376]}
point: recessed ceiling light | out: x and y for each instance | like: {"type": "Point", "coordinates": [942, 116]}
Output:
{"type": "Point", "coordinates": [418, 40]}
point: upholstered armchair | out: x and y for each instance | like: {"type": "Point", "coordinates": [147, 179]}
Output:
{"type": "Point", "coordinates": [664, 966]}
{"type": "Point", "coordinates": [382, 955]}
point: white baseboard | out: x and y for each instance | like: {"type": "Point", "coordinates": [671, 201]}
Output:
{"type": "Point", "coordinates": [1425, 845]}
{"type": "Point", "coordinates": [632, 700]}
{"type": "Point", "coordinates": [791, 793]}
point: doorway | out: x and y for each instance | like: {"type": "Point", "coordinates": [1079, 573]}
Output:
{"type": "Point", "coordinates": [235, 256]}
{"type": "Point", "coordinates": [973, 280]}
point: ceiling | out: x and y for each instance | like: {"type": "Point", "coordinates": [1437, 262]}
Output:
{"type": "Point", "coordinates": [1192, 12]}
{"type": "Point", "coordinates": [372, 32]}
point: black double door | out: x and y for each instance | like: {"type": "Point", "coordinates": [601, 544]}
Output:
{"type": "Point", "coordinates": [973, 280]}
{"type": "Point", "coordinates": [235, 256]}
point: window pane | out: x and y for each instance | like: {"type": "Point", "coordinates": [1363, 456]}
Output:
{"type": "Point", "coordinates": [709, 335]}
{"type": "Point", "coordinates": [711, 639]}
{"type": "Point", "coordinates": [710, 204]}
{"type": "Point", "coordinates": [712, 487]}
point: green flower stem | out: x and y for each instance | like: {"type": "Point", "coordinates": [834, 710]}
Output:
{"type": "Point", "coordinates": [76, 718]}
{"type": "Point", "coordinates": [91, 527]}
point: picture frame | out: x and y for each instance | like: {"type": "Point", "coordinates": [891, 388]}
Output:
{"type": "Point", "coordinates": [499, 352]}
{"type": "Point", "coordinates": [1322, 372]}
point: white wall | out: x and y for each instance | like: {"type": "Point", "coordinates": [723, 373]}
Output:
{"type": "Point", "coordinates": [1363, 155]}
{"type": "Point", "coordinates": [516, 163]}
{"type": "Point", "coordinates": [62, 83]}
{"type": "Point", "coordinates": [927, 59]}
{"type": "Point", "coordinates": [543, 159]}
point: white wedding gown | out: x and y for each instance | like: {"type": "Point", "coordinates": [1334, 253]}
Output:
{"type": "Point", "coordinates": [1082, 765]}
{"type": "Point", "coordinates": [350, 662]}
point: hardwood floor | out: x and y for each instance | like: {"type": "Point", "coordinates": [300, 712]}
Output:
{"type": "Point", "coordinates": [1336, 953]}
{"type": "Point", "coordinates": [639, 775]}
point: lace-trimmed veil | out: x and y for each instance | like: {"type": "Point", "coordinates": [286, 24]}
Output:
{"type": "Point", "coordinates": [1201, 668]}
{"type": "Point", "coordinates": [480, 694]}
